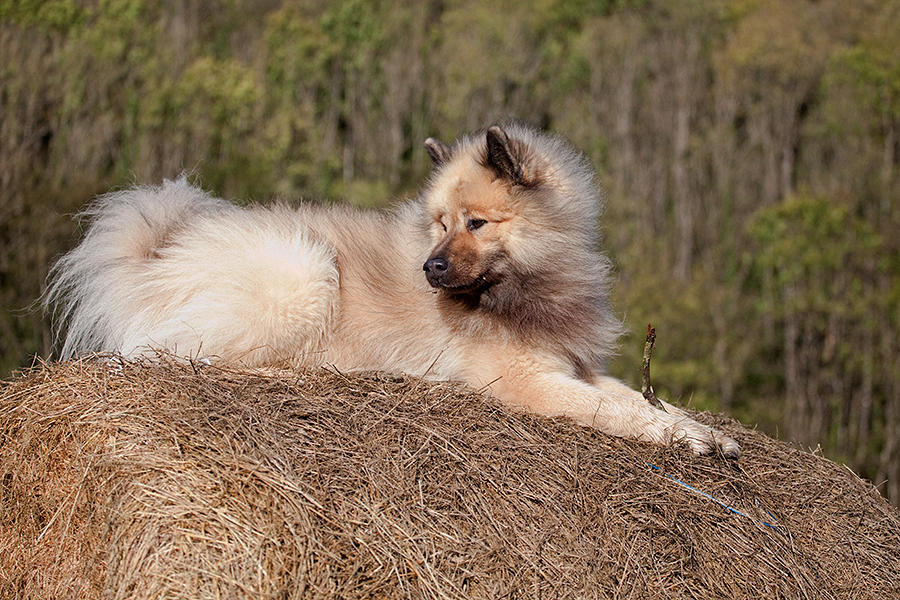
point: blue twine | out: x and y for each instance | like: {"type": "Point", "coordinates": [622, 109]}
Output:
{"type": "Point", "coordinates": [717, 501]}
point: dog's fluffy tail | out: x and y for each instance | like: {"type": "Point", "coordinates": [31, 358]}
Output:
{"type": "Point", "coordinates": [126, 229]}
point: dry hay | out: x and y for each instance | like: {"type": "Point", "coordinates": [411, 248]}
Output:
{"type": "Point", "coordinates": [175, 481]}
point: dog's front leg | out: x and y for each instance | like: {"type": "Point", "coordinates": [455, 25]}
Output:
{"type": "Point", "coordinates": [680, 427]}
{"type": "Point", "coordinates": [608, 405]}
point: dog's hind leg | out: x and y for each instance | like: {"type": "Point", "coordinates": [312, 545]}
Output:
{"type": "Point", "coordinates": [268, 299]}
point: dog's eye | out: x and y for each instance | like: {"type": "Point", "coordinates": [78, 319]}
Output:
{"type": "Point", "coordinates": [474, 224]}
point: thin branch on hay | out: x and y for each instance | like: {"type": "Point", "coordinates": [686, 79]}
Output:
{"type": "Point", "coordinates": [646, 387]}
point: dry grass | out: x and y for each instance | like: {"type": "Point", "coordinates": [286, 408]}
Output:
{"type": "Point", "coordinates": [166, 481]}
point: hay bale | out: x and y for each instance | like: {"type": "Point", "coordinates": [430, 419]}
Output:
{"type": "Point", "coordinates": [165, 480]}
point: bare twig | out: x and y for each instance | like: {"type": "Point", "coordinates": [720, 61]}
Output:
{"type": "Point", "coordinates": [646, 387]}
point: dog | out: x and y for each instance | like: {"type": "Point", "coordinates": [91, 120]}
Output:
{"type": "Point", "coordinates": [492, 277]}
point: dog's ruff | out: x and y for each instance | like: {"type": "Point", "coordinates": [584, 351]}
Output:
{"type": "Point", "coordinates": [513, 297]}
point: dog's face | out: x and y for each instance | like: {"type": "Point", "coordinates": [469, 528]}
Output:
{"type": "Point", "coordinates": [472, 223]}
{"type": "Point", "coordinates": [469, 226]}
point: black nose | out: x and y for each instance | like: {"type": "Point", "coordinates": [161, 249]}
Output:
{"type": "Point", "coordinates": [435, 267]}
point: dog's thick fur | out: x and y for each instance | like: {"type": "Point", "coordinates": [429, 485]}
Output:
{"type": "Point", "coordinates": [513, 297]}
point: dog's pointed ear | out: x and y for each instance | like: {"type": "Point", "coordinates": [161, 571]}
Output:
{"type": "Point", "coordinates": [500, 156]}
{"type": "Point", "coordinates": [438, 151]}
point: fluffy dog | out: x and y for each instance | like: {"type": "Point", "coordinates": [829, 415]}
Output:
{"type": "Point", "coordinates": [491, 277]}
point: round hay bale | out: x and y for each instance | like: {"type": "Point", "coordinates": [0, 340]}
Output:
{"type": "Point", "coordinates": [165, 480]}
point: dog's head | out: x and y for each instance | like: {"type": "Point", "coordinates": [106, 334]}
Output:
{"type": "Point", "coordinates": [504, 203]}
{"type": "Point", "coordinates": [512, 214]}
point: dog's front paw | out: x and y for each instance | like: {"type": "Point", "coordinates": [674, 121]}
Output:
{"type": "Point", "coordinates": [725, 445]}
{"type": "Point", "coordinates": [705, 440]}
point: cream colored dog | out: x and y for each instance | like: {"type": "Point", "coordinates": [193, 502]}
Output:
{"type": "Point", "coordinates": [491, 277]}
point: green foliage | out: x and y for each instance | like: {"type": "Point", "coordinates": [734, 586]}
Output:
{"type": "Point", "coordinates": [297, 54]}
{"type": "Point", "coordinates": [355, 29]}
{"type": "Point", "coordinates": [117, 32]}
{"type": "Point", "coordinates": [817, 251]}
{"type": "Point", "coordinates": [819, 267]}
{"type": "Point", "coordinates": [869, 71]}
{"type": "Point", "coordinates": [217, 95]}
{"type": "Point", "coordinates": [52, 15]}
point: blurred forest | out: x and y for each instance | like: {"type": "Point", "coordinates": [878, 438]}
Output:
{"type": "Point", "coordinates": [750, 150]}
